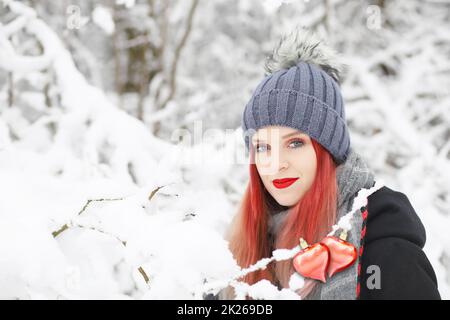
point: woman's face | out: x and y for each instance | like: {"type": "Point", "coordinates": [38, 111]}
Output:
{"type": "Point", "coordinates": [281, 153]}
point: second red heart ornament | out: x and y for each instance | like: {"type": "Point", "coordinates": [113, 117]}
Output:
{"type": "Point", "coordinates": [342, 253]}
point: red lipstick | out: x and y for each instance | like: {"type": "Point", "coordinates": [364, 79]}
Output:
{"type": "Point", "coordinates": [283, 183]}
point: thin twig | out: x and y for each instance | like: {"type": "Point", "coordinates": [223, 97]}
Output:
{"type": "Point", "coordinates": [152, 194]}
{"type": "Point", "coordinates": [92, 200]}
{"type": "Point", "coordinates": [144, 275]}
{"type": "Point", "coordinates": [124, 243]}
{"type": "Point", "coordinates": [57, 232]}
{"type": "Point", "coordinates": [66, 226]}
{"type": "Point", "coordinates": [177, 54]}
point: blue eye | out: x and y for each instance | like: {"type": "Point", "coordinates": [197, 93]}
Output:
{"type": "Point", "coordinates": [263, 146]}
{"type": "Point", "coordinates": [297, 143]}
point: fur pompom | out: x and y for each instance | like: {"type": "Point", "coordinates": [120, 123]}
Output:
{"type": "Point", "coordinates": [303, 45]}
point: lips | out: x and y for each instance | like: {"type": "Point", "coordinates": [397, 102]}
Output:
{"type": "Point", "coordinates": [283, 183]}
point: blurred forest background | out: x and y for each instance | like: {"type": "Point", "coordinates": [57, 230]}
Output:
{"type": "Point", "coordinates": [97, 195]}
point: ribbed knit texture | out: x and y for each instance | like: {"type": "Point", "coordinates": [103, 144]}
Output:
{"type": "Point", "coordinates": [303, 97]}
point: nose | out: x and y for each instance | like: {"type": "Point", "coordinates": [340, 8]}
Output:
{"type": "Point", "coordinates": [273, 163]}
{"type": "Point", "coordinates": [279, 163]}
{"type": "Point", "coordinates": [283, 165]}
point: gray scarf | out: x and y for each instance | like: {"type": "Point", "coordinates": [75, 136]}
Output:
{"type": "Point", "coordinates": [351, 176]}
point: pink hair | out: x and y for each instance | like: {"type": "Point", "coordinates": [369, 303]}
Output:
{"type": "Point", "coordinates": [311, 218]}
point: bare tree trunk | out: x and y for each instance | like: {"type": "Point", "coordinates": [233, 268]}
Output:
{"type": "Point", "coordinates": [173, 70]}
{"type": "Point", "coordinates": [144, 79]}
{"type": "Point", "coordinates": [116, 53]}
{"type": "Point", "coordinates": [328, 15]}
{"type": "Point", "coordinates": [10, 89]}
{"type": "Point", "coordinates": [48, 100]}
{"type": "Point", "coordinates": [158, 52]}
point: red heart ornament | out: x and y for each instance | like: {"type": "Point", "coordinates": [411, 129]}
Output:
{"type": "Point", "coordinates": [312, 261]}
{"type": "Point", "coordinates": [342, 254]}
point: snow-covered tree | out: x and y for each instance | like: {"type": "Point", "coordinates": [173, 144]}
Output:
{"type": "Point", "coordinates": [99, 200]}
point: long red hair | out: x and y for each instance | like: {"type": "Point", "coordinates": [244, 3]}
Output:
{"type": "Point", "coordinates": [311, 218]}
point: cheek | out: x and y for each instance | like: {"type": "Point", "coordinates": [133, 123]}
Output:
{"type": "Point", "coordinates": [310, 165]}
{"type": "Point", "coordinates": [266, 181]}
{"type": "Point", "coordinates": [306, 163]}
{"type": "Point", "coordinates": [262, 160]}
{"type": "Point", "coordinates": [266, 166]}
{"type": "Point", "coordinates": [260, 169]}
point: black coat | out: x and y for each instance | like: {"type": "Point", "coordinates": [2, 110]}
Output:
{"type": "Point", "coordinates": [394, 240]}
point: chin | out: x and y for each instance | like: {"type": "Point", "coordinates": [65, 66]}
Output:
{"type": "Point", "coordinates": [286, 202]}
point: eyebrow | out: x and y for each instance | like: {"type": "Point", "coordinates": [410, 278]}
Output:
{"type": "Point", "coordinates": [284, 137]}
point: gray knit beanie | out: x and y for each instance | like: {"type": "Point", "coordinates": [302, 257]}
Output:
{"type": "Point", "coordinates": [301, 91]}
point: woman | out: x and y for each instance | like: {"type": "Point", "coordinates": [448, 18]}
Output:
{"type": "Point", "coordinates": [304, 176]}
